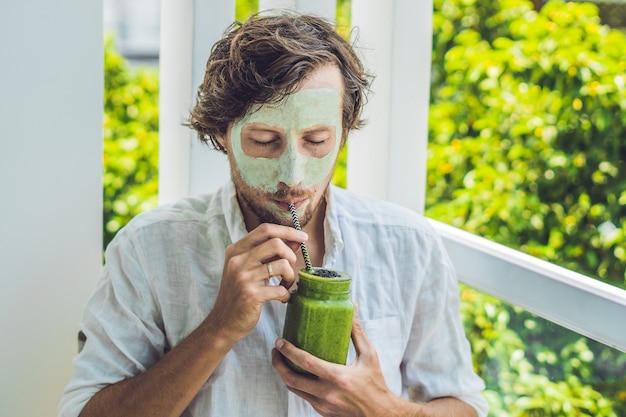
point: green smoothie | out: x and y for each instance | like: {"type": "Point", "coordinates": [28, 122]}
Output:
{"type": "Point", "coordinates": [319, 315]}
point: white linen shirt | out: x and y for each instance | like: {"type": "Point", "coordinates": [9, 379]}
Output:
{"type": "Point", "coordinates": [162, 275]}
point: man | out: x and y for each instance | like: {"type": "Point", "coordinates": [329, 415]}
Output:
{"type": "Point", "coordinates": [187, 316]}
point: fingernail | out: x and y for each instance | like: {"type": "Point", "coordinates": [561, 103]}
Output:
{"type": "Point", "coordinates": [279, 343]}
{"type": "Point", "coordinates": [303, 235]}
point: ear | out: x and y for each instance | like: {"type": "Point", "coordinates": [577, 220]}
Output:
{"type": "Point", "coordinates": [221, 140]}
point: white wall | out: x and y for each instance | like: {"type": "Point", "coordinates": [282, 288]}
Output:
{"type": "Point", "coordinates": [387, 158]}
{"type": "Point", "coordinates": [50, 192]}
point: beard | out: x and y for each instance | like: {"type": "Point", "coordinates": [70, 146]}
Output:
{"type": "Point", "coordinates": [259, 203]}
{"type": "Point", "coordinates": [265, 215]}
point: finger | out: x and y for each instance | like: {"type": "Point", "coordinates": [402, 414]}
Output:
{"type": "Point", "coordinates": [362, 346]}
{"type": "Point", "coordinates": [250, 268]}
{"type": "Point", "coordinates": [279, 268]}
{"type": "Point", "coordinates": [265, 232]}
{"type": "Point", "coordinates": [273, 252]}
{"type": "Point", "coordinates": [359, 338]}
{"type": "Point", "coordinates": [279, 363]}
{"type": "Point", "coordinates": [272, 249]}
{"type": "Point", "coordinates": [274, 292]}
{"type": "Point", "coordinates": [305, 360]}
{"type": "Point", "coordinates": [276, 267]}
{"type": "Point", "coordinates": [311, 399]}
{"type": "Point", "coordinates": [297, 383]}
{"type": "Point", "coordinates": [284, 269]}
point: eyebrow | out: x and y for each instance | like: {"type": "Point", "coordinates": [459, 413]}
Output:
{"type": "Point", "coordinates": [262, 127]}
{"type": "Point", "coordinates": [317, 128]}
{"type": "Point", "coordinates": [255, 128]}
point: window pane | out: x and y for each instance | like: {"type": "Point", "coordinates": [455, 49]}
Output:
{"type": "Point", "coordinates": [533, 367]}
{"type": "Point", "coordinates": [527, 120]}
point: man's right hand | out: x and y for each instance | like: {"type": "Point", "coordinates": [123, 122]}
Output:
{"type": "Point", "coordinates": [168, 387]}
{"type": "Point", "coordinates": [243, 288]}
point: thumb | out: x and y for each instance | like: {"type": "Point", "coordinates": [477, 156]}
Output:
{"type": "Point", "coordinates": [359, 338]}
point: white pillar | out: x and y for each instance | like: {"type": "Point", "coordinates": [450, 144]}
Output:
{"type": "Point", "coordinates": [51, 94]}
{"type": "Point", "coordinates": [410, 92]}
{"type": "Point", "coordinates": [175, 92]}
{"type": "Point", "coordinates": [368, 149]}
{"type": "Point", "coordinates": [189, 28]}
{"type": "Point", "coordinates": [277, 4]}
{"type": "Point", "coordinates": [325, 8]}
{"type": "Point", "coordinates": [387, 159]}
{"type": "Point", "coordinates": [208, 167]}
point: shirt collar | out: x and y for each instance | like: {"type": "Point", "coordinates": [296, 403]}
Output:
{"type": "Point", "coordinates": [333, 238]}
{"type": "Point", "coordinates": [232, 213]}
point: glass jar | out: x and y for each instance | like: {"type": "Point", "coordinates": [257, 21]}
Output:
{"type": "Point", "coordinates": [319, 315]}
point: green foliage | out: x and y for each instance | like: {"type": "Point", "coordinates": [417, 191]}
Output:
{"type": "Point", "coordinates": [526, 125]}
{"type": "Point", "coordinates": [533, 367]}
{"type": "Point", "coordinates": [245, 8]}
{"type": "Point", "coordinates": [343, 24]}
{"type": "Point", "coordinates": [131, 123]}
{"type": "Point", "coordinates": [527, 120]}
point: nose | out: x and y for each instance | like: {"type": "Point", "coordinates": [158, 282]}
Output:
{"type": "Point", "coordinates": [285, 190]}
{"type": "Point", "coordinates": [292, 174]}
{"type": "Point", "coordinates": [292, 165]}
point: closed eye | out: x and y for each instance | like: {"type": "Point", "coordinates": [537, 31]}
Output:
{"type": "Point", "coordinates": [317, 139]}
{"type": "Point", "coordinates": [265, 142]}
{"type": "Point", "coordinates": [260, 141]}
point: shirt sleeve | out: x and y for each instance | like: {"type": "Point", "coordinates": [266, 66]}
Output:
{"type": "Point", "coordinates": [122, 324]}
{"type": "Point", "coordinates": [439, 361]}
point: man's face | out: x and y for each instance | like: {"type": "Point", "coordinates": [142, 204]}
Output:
{"type": "Point", "coordinates": [286, 153]}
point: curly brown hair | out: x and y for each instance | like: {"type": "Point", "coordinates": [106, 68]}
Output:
{"type": "Point", "coordinates": [265, 59]}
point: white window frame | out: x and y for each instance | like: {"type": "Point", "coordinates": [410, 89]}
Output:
{"type": "Point", "coordinates": [387, 159]}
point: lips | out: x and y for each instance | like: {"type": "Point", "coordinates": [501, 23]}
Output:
{"type": "Point", "coordinates": [284, 205]}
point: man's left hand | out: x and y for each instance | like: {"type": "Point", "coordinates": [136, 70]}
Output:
{"type": "Point", "coordinates": [358, 389]}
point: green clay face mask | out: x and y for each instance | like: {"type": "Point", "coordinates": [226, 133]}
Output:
{"type": "Point", "coordinates": [300, 112]}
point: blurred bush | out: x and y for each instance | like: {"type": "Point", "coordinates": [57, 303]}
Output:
{"type": "Point", "coordinates": [527, 121]}
{"type": "Point", "coordinates": [528, 118]}
{"type": "Point", "coordinates": [131, 123]}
